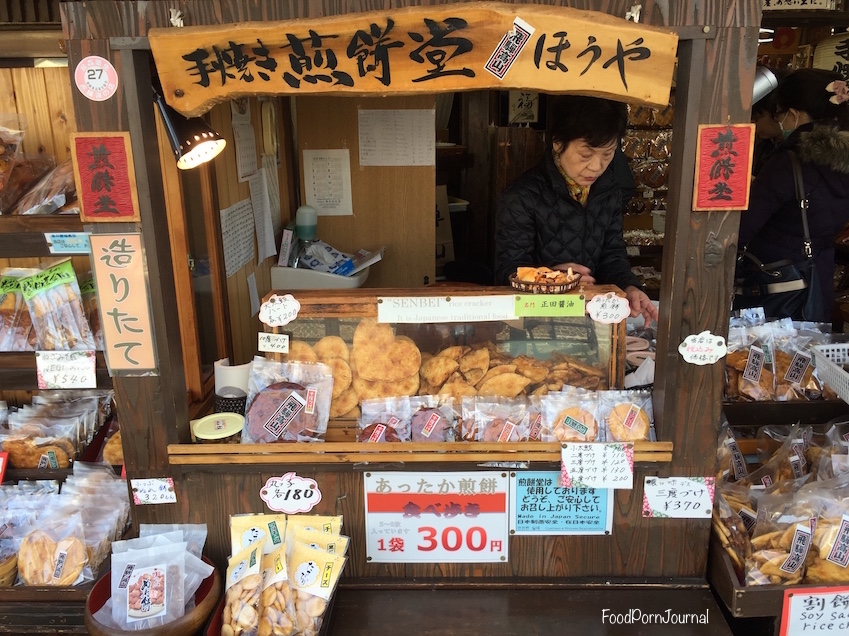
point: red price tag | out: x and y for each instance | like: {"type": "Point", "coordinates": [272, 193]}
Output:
{"type": "Point", "coordinates": [4, 459]}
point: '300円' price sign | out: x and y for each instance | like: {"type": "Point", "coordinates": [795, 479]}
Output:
{"type": "Point", "coordinates": [436, 517]}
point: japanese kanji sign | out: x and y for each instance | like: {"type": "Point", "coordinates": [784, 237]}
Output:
{"type": "Point", "coordinates": [815, 610]}
{"type": "Point", "coordinates": [540, 505]}
{"type": "Point", "coordinates": [561, 305]}
{"type": "Point", "coordinates": [679, 497]}
{"type": "Point", "coordinates": [436, 517]}
{"type": "Point", "coordinates": [105, 175]}
{"type": "Point", "coordinates": [65, 369]}
{"type": "Point", "coordinates": [597, 465]}
{"type": "Point", "coordinates": [418, 50]}
{"type": "Point", "coordinates": [153, 491]}
{"type": "Point", "coordinates": [723, 167]}
{"type": "Point", "coordinates": [123, 297]}
{"type": "Point", "coordinates": [290, 493]}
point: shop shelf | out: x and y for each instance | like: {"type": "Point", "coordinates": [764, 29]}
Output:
{"type": "Point", "coordinates": [18, 371]}
{"type": "Point", "coordinates": [23, 236]}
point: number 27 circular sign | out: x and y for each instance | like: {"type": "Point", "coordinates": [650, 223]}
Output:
{"type": "Point", "coordinates": [96, 78]}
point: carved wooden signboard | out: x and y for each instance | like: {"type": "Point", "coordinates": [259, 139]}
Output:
{"type": "Point", "coordinates": [467, 46]}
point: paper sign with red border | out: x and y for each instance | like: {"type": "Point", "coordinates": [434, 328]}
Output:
{"type": "Point", "coordinates": [4, 460]}
{"type": "Point", "coordinates": [105, 176]}
{"type": "Point", "coordinates": [723, 166]}
{"type": "Point", "coordinates": [815, 610]}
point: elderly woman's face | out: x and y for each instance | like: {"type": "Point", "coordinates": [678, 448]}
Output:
{"type": "Point", "coordinates": [584, 163]}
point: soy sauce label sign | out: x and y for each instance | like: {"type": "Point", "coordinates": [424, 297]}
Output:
{"type": "Point", "coordinates": [815, 610]}
{"type": "Point", "coordinates": [290, 494]}
{"type": "Point", "coordinates": [678, 497]}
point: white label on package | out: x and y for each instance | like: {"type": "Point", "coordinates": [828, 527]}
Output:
{"type": "Point", "coordinates": [420, 309]}
{"type": "Point", "coordinates": [279, 310]}
{"type": "Point", "coordinates": [597, 465]}
{"type": "Point", "coordinates": [273, 343]}
{"type": "Point", "coordinates": [678, 497]}
{"type": "Point", "coordinates": [509, 48]}
{"type": "Point", "coordinates": [608, 308]}
{"type": "Point", "coordinates": [290, 494]}
{"type": "Point", "coordinates": [798, 366]}
{"type": "Point", "coordinates": [702, 348]}
{"type": "Point", "coordinates": [754, 364]}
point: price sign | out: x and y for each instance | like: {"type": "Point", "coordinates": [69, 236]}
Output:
{"type": "Point", "coordinates": [279, 310]}
{"type": "Point", "coordinates": [703, 348]}
{"type": "Point", "coordinates": [4, 460]}
{"type": "Point", "coordinates": [540, 505]}
{"type": "Point", "coordinates": [609, 308]}
{"type": "Point", "coordinates": [563, 305]}
{"type": "Point", "coordinates": [597, 465]}
{"type": "Point", "coordinates": [65, 369]}
{"type": "Point", "coordinates": [678, 497]}
{"type": "Point", "coordinates": [290, 494]}
{"type": "Point", "coordinates": [273, 343]}
{"type": "Point", "coordinates": [815, 610]}
{"type": "Point", "coordinates": [436, 517]}
{"type": "Point", "coordinates": [157, 490]}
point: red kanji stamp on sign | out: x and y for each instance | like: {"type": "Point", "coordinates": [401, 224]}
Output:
{"type": "Point", "coordinates": [723, 167]}
{"type": "Point", "coordinates": [105, 175]}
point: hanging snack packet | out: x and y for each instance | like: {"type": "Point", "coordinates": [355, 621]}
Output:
{"type": "Point", "coordinates": [56, 309]}
{"type": "Point", "coordinates": [270, 529]}
{"type": "Point", "coordinates": [384, 420]}
{"type": "Point", "coordinates": [626, 415]}
{"type": "Point", "coordinates": [242, 592]}
{"type": "Point", "coordinates": [571, 417]}
{"type": "Point", "coordinates": [287, 402]}
{"type": "Point", "coordinates": [276, 607]}
{"type": "Point", "coordinates": [313, 576]}
{"type": "Point", "coordinates": [432, 418]}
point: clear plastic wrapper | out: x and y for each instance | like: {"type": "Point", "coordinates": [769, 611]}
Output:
{"type": "Point", "coordinates": [498, 419]}
{"type": "Point", "coordinates": [53, 190]}
{"type": "Point", "coordinates": [16, 330]}
{"type": "Point", "coordinates": [28, 169]}
{"type": "Point", "coordinates": [330, 524]}
{"type": "Point", "coordinates": [12, 129]}
{"type": "Point", "coordinates": [787, 462]}
{"type": "Point", "coordinates": [627, 416]}
{"type": "Point", "coordinates": [315, 538]}
{"type": "Point", "coordinates": [243, 588]}
{"type": "Point", "coordinates": [276, 604]}
{"type": "Point", "coordinates": [731, 464]}
{"type": "Point", "coordinates": [34, 446]}
{"type": "Point", "coordinates": [246, 529]}
{"type": "Point", "coordinates": [55, 554]}
{"type": "Point", "coordinates": [88, 293]}
{"type": "Point", "coordinates": [794, 369]}
{"type": "Point", "coordinates": [56, 309]}
{"type": "Point", "coordinates": [732, 533]}
{"type": "Point", "coordinates": [148, 586]}
{"type": "Point", "coordinates": [287, 402]}
{"type": "Point", "coordinates": [749, 364]}
{"type": "Point", "coordinates": [194, 534]}
{"type": "Point", "coordinates": [384, 420]}
{"type": "Point", "coordinates": [572, 416]}
{"type": "Point", "coordinates": [313, 575]}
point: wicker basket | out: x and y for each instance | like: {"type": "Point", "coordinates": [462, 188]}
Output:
{"type": "Point", "coordinates": [544, 288]}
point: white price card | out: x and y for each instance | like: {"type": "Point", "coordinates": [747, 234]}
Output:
{"type": "Point", "coordinates": [678, 497]}
{"type": "Point", "coordinates": [438, 517]}
{"type": "Point", "coordinates": [608, 308]}
{"type": "Point", "coordinates": [279, 310]}
{"type": "Point", "coordinates": [290, 494]}
{"type": "Point", "coordinates": [702, 348]}
{"type": "Point", "coordinates": [273, 343]}
{"type": "Point", "coordinates": [157, 490]}
{"type": "Point", "coordinates": [597, 465]}
{"type": "Point", "coordinates": [66, 369]}
{"type": "Point", "coordinates": [815, 610]}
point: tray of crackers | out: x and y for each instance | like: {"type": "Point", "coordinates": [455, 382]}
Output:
{"type": "Point", "coordinates": [543, 280]}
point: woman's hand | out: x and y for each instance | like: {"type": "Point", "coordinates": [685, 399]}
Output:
{"type": "Point", "coordinates": [641, 304]}
{"type": "Point", "coordinates": [583, 270]}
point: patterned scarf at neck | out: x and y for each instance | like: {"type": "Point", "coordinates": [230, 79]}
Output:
{"type": "Point", "coordinates": [578, 192]}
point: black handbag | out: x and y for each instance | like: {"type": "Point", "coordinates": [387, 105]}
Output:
{"type": "Point", "coordinates": [783, 288]}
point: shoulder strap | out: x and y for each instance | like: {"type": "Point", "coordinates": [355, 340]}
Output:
{"type": "Point", "coordinates": [803, 202]}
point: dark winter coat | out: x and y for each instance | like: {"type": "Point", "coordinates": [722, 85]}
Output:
{"type": "Point", "coordinates": [538, 223]}
{"type": "Point", "coordinates": [772, 226]}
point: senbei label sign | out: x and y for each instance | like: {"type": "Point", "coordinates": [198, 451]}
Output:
{"type": "Point", "coordinates": [436, 517]}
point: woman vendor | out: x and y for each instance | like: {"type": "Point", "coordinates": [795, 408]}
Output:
{"type": "Point", "coordinates": [567, 211]}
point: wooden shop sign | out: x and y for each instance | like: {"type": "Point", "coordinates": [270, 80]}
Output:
{"type": "Point", "coordinates": [723, 167]}
{"type": "Point", "coordinates": [105, 176]}
{"type": "Point", "coordinates": [459, 47]}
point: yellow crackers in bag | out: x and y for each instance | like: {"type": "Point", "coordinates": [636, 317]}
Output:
{"type": "Point", "coordinates": [313, 577]}
{"type": "Point", "coordinates": [243, 587]}
{"type": "Point", "coordinates": [332, 543]}
{"type": "Point", "coordinates": [245, 529]}
{"type": "Point", "coordinates": [276, 606]}
{"type": "Point", "coordinates": [322, 523]}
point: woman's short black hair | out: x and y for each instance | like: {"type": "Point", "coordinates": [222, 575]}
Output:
{"type": "Point", "coordinates": [804, 90]}
{"type": "Point", "coordinates": [596, 120]}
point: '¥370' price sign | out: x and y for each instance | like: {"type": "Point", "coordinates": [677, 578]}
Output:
{"type": "Point", "coordinates": [436, 517]}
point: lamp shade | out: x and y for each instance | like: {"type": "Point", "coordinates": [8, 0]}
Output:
{"type": "Point", "coordinates": [192, 140]}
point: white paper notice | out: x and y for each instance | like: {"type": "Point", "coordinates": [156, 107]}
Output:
{"type": "Point", "coordinates": [253, 294]}
{"type": "Point", "coordinates": [397, 137]}
{"type": "Point", "coordinates": [262, 215]}
{"type": "Point", "coordinates": [245, 140]}
{"type": "Point", "coordinates": [417, 309]}
{"type": "Point", "coordinates": [327, 179]}
{"type": "Point", "coordinates": [679, 497]}
{"type": "Point", "coordinates": [272, 183]}
{"type": "Point", "coordinates": [65, 369]}
{"type": "Point", "coordinates": [237, 236]}
{"type": "Point", "coordinates": [596, 464]}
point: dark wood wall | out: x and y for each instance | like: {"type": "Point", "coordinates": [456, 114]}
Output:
{"type": "Point", "coordinates": [717, 52]}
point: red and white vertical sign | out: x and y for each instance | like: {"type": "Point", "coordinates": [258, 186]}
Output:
{"type": "Point", "coordinates": [436, 517]}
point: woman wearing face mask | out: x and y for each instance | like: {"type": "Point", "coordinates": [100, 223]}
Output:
{"type": "Point", "coordinates": [567, 211]}
{"type": "Point", "coordinates": [813, 114]}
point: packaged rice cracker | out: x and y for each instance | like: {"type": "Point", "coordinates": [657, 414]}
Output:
{"type": "Point", "coordinates": [242, 593]}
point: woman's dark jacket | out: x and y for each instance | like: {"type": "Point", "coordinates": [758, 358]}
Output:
{"type": "Point", "coordinates": [772, 226]}
{"type": "Point", "coordinates": [539, 223]}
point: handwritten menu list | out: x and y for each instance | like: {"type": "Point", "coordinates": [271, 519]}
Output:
{"type": "Point", "coordinates": [597, 465]}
